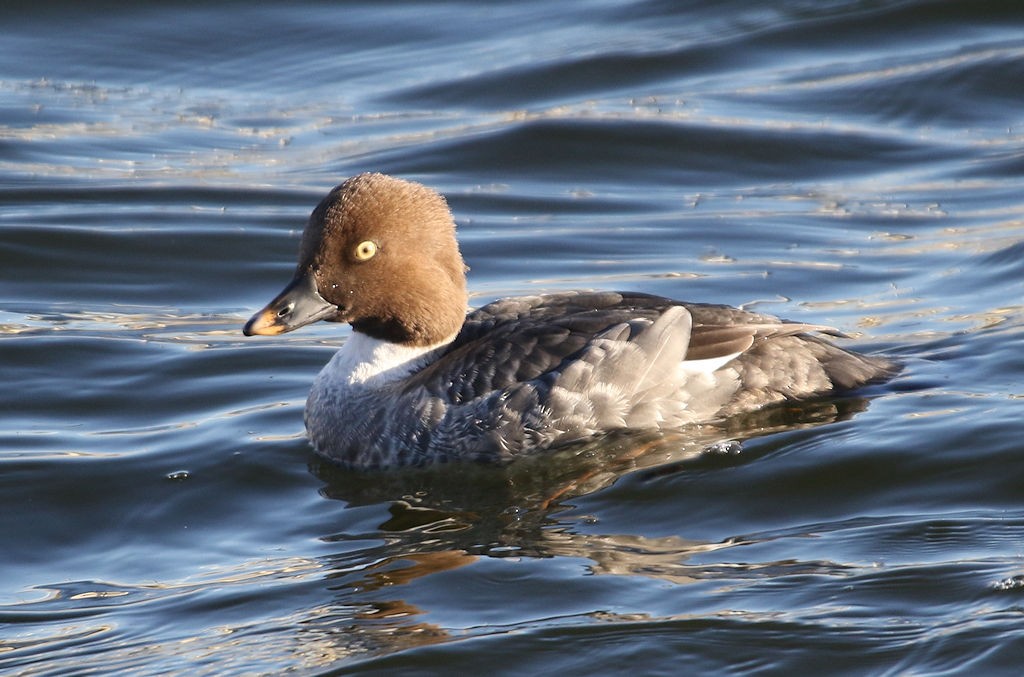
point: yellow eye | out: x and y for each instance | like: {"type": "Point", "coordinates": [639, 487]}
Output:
{"type": "Point", "coordinates": [365, 250]}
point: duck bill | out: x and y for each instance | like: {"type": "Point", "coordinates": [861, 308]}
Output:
{"type": "Point", "coordinates": [298, 305]}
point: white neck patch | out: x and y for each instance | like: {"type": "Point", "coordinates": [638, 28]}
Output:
{"type": "Point", "coordinates": [365, 360]}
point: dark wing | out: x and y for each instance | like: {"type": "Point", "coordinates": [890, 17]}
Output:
{"type": "Point", "coordinates": [519, 339]}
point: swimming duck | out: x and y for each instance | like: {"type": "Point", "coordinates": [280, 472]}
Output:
{"type": "Point", "coordinates": [420, 381]}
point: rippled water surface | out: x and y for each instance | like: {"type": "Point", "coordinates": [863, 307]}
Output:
{"type": "Point", "coordinates": [859, 164]}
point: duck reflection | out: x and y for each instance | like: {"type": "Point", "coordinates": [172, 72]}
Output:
{"type": "Point", "coordinates": [446, 517]}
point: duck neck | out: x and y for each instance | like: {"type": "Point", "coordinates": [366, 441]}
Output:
{"type": "Point", "coordinates": [365, 360]}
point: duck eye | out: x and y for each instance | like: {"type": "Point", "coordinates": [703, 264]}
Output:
{"type": "Point", "coordinates": [365, 250]}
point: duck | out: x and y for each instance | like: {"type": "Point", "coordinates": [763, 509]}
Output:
{"type": "Point", "coordinates": [421, 381]}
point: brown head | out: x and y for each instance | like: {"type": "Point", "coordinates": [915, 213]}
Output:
{"type": "Point", "coordinates": [379, 253]}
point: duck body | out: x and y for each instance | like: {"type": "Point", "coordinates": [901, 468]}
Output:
{"type": "Point", "coordinates": [421, 382]}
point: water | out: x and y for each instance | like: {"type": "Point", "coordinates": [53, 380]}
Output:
{"type": "Point", "coordinates": [846, 163]}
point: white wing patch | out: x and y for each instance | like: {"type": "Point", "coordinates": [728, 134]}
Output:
{"type": "Point", "coordinates": [706, 366]}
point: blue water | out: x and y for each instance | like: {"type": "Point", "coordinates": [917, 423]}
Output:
{"type": "Point", "coordinates": [858, 164]}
